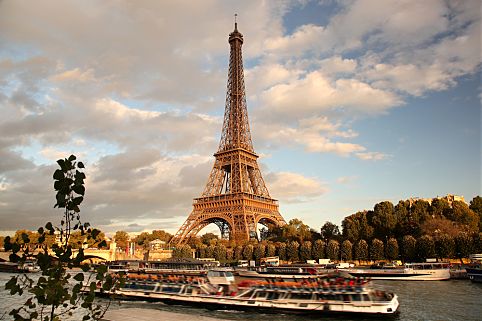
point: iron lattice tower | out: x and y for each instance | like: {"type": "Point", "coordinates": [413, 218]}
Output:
{"type": "Point", "coordinates": [235, 197]}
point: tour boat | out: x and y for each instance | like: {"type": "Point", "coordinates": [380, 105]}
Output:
{"type": "Point", "coordinates": [220, 289]}
{"type": "Point", "coordinates": [474, 273]}
{"type": "Point", "coordinates": [408, 272]}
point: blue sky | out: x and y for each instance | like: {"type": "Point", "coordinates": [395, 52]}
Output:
{"type": "Point", "coordinates": [350, 103]}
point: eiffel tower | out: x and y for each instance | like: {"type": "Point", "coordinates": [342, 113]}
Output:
{"type": "Point", "coordinates": [235, 197]}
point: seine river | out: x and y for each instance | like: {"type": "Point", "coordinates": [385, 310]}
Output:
{"type": "Point", "coordinates": [454, 300]}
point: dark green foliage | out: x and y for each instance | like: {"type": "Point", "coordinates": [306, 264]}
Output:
{"type": "Point", "coordinates": [409, 248]}
{"type": "Point", "coordinates": [376, 250]}
{"type": "Point", "coordinates": [238, 253]}
{"type": "Point", "coordinates": [282, 251]}
{"type": "Point", "coordinates": [220, 252]}
{"type": "Point", "coordinates": [425, 247]}
{"type": "Point", "coordinates": [56, 294]}
{"type": "Point", "coordinates": [333, 250]}
{"type": "Point", "coordinates": [318, 251]}
{"type": "Point", "coordinates": [248, 252]}
{"type": "Point", "coordinates": [183, 251]}
{"type": "Point", "coordinates": [259, 252]}
{"type": "Point", "coordinates": [270, 250]}
{"type": "Point", "coordinates": [305, 251]}
{"type": "Point", "coordinates": [346, 250]}
{"type": "Point", "coordinates": [361, 250]}
{"type": "Point", "coordinates": [444, 246]}
{"type": "Point", "coordinates": [292, 249]}
{"type": "Point", "coordinates": [330, 231]}
{"type": "Point", "coordinates": [464, 245]}
{"type": "Point", "coordinates": [476, 206]}
{"type": "Point", "coordinates": [391, 250]}
{"type": "Point", "coordinates": [383, 219]}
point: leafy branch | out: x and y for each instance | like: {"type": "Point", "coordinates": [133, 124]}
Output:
{"type": "Point", "coordinates": [57, 292]}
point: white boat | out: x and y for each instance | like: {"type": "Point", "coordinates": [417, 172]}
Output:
{"type": "Point", "coordinates": [219, 290]}
{"type": "Point", "coordinates": [408, 272]}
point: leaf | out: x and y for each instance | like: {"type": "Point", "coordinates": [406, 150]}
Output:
{"type": "Point", "coordinates": [58, 175]}
{"type": "Point", "coordinates": [77, 200]}
{"type": "Point", "coordinates": [79, 277]}
{"type": "Point", "coordinates": [25, 238]}
{"type": "Point", "coordinates": [72, 158]}
{"type": "Point", "coordinates": [80, 165]}
{"type": "Point", "coordinates": [49, 227]}
{"type": "Point", "coordinates": [79, 189]}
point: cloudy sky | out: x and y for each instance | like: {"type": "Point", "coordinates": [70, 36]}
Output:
{"type": "Point", "coordinates": [350, 103]}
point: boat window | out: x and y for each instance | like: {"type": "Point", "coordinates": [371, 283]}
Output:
{"type": "Point", "coordinates": [366, 297]}
{"type": "Point", "coordinates": [356, 297]}
{"type": "Point", "coordinates": [346, 297]}
{"type": "Point", "coordinates": [273, 295]}
{"type": "Point", "coordinates": [260, 295]}
{"type": "Point", "coordinates": [300, 296]}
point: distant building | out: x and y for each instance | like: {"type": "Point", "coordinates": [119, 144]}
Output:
{"type": "Point", "coordinates": [450, 198]}
{"type": "Point", "coordinates": [157, 245]}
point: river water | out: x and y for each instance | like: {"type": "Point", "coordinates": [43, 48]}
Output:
{"type": "Point", "coordinates": [454, 300]}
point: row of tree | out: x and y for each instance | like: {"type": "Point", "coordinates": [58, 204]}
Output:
{"type": "Point", "coordinates": [408, 249]}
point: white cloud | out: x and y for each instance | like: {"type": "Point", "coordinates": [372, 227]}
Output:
{"type": "Point", "coordinates": [317, 93]}
{"type": "Point", "coordinates": [294, 187]}
{"type": "Point", "coordinates": [372, 156]}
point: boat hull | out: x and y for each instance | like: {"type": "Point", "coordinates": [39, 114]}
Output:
{"type": "Point", "coordinates": [232, 303]}
{"type": "Point", "coordinates": [402, 274]}
{"type": "Point", "coordinates": [474, 274]}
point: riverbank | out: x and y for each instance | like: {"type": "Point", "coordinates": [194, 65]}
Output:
{"type": "Point", "coordinates": [139, 314]}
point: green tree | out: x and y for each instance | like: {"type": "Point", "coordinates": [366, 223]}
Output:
{"type": "Point", "coordinates": [259, 252]}
{"type": "Point", "coordinates": [361, 250]}
{"type": "Point", "coordinates": [238, 253]}
{"type": "Point", "coordinates": [248, 252]}
{"type": "Point", "coordinates": [350, 228]}
{"type": "Point", "coordinates": [384, 219]}
{"type": "Point", "coordinates": [270, 250]}
{"type": "Point", "coordinates": [439, 208]}
{"type": "Point", "coordinates": [346, 250]}
{"type": "Point", "coordinates": [330, 231]}
{"type": "Point", "coordinates": [391, 249]}
{"type": "Point", "coordinates": [122, 239]}
{"type": "Point", "coordinates": [425, 247]}
{"type": "Point", "coordinates": [142, 240]}
{"type": "Point", "coordinates": [296, 230]}
{"type": "Point", "coordinates": [476, 206]}
{"type": "Point", "coordinates": [160, 235]}
{"type": "Point", "coordinates": [409, 250]}
{"type": "Point", "coordinates": [444, 246]}
{"type": "Point", "coordinates": [319, 250]}
{"type": "Point", "coordinates": [419, 211]}
{"type": "Point", "coordinates": [50, 297]}
{"type": "Point", "coordinates": [282, 251]}
{"type": "Point", "coordinates": [462, 214]}
{"type": "Point", "coordinates": [463, 245]}
{"type": "Point", "coordinates": [202, 251]}
{"type": "Point", "coordinates": [333, 250]}
{"type": "Point", "coordinates": [183, 251]}
{"type": "Point", "coordinates": [376, 250]}
{"type": "Point", "coordinates": [220, 252]}
{"type": "Point", "coordinates": [292, 249]}
{"type": "Point", "coordinates": [209, 238]}
{"type": "Point", "coordinates": [210, 251]}
{"type": "Point", "coordinates": [305, 251]}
